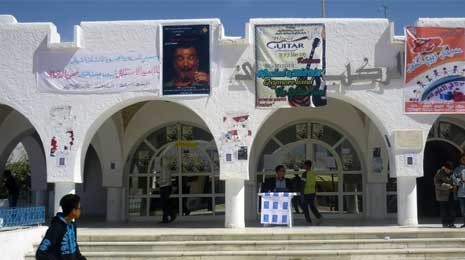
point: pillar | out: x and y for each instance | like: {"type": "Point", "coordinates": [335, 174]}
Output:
{"type": "Point", "coordinates": [39, 198]}
{"type": "Point", "coordinates": [235, 217]}
{"type": "Point", "coordinates": [114, 202]}
{"type": "Point", "coordinates": [61, 189]}
{"type": "Point", "coordinates": [407, 201]}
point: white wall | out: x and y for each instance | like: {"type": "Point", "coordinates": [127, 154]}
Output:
{"type": "Point", "coordinates": [15, 244]}
{"type": "Point", "coordinates": [348, 41]}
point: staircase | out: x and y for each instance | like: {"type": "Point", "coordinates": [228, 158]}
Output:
{"type": "Point", "coordinates": [273, 243]}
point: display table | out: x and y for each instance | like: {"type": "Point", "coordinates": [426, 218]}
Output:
{"type": "Point", "coordinates": [276, 208]}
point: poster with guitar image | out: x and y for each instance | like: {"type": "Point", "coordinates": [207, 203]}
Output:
{"type": "Point", "coordinates": [290, 65]}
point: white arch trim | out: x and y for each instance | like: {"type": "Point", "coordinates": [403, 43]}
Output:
{"type": "Point", "coordinates": [95, 125]}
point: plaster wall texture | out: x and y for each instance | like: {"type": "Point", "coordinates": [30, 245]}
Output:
{"type": "Point", "coordinates": [348, 41]}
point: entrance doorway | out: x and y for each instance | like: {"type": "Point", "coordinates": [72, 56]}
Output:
{"type": "Point", "coordinates": [445, 143]}
{"type": "Point", "coordinates": [188, 155]}
{"type": "Point", "coordinates": [336, 163]}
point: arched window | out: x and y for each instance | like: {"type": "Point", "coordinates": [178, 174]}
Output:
{"type": "Point", "coordinates": [336, 163]}
{"type": "Point", "coordinates": [189, 155]}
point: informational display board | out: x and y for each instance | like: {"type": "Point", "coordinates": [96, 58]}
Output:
{"type": "Point", "coordinates": [234, 146]}
{"type": "Point", "coordinates": [276, 208]}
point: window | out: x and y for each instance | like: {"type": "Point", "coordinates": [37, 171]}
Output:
{"type": "Point", "coordinates": [336, 163]}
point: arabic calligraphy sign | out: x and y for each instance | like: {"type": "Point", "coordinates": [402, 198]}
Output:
{"type": "Point", "coordinates": [91, 72]}
{"type": "Point", "coordinates": [434, 70]}
{"type": "Point", "coordinates": [290, 65]}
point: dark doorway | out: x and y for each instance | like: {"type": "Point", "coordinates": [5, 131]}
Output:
{"type": "Point", "coordinates": [436, 153]}
{"type": "Point", "coordinates": [93, 194]}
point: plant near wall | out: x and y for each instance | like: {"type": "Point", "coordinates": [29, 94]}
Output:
{"type": "Point", "coordinates": [21, 172]}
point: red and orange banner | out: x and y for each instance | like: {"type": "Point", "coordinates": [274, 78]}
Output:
{"type": "Point", "coordinates": [434, 70]}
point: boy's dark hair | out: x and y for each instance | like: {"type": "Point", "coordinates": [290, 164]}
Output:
{"type": "Point", "coordinates": [69, 202]}
{"type": "Point", "coordinates": [308, 163]}
{"type": "Point", "coordinates": [279, 167]}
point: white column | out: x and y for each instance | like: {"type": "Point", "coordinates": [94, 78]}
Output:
{"type": "Point", "coordinates": [376, 200]}
{"type": "Point", "coordinates": [235, 217]}
{"type": "Point", "coordinates": [407, 201]}
{"type": "Point", "coordinates": [39, 198]}
{"type": "Point", "coordinates": [61, 189]}
{"type": "Point", "coordinates": [114, 202]}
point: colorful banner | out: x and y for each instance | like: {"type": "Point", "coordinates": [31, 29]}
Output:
{"type": "Point", "coordinates": [290, 65]}
{"type": "Point", "coordinates": [434, 70]}
{"type": "Point", "coordinates": [186, 60]}
{"type": "Point", "coordinates": [91, 72]}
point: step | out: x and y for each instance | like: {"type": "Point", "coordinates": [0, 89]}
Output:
{"type": "Point", "coordinates": [424, 253]}
{"type": "Point", "coordinates": [265, 235]}
{"type": "Point", "coordinates": [271, 245]}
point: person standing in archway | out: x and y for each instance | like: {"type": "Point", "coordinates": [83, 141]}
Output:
{"type": "Point", "coordinates": [459, 180]}
{"type": "Point", "coordinates": [165, 183]}
{"type": "Point", "coordinates": [12, 187]}
{"type": "Point", "coordinates": [310, 193]}
{"type": "Point", "coordinates": [444, 187]}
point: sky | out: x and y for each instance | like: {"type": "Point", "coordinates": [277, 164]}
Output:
{"type": "Point", "coordinates": [233, 13]}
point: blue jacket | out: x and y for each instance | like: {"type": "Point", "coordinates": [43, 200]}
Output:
{"type": "Point", "coordinates": [60, 241]}
{"type": "Point", "coordinates": [457, 178]}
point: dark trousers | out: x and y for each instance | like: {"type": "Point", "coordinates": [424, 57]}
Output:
{"type": "Point", "coordinates": [12, 200]}
{"type": "Point", "coordinates": [447, 209]}
{"type": "Point", "coordinates": [462, 207]}
{"type": "Point", "coordinates": [165, 193]}
{"type": "Point", "coordinates": [296, 203]}
{"type": "Point", "coordinates": [309, 201]}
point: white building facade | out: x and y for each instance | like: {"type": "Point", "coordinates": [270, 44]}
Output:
{"type": "Point", "coordinates": [370, 157]}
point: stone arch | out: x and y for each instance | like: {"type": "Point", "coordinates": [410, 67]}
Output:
{"type": "Point", "coordinates": [445, 142]}
{"type": "Point", "coordinates": [15, 128]}
{"type": "Point", "coordinates": [112, 110]}
{"type": "Point", "coordinates": [352, 123]}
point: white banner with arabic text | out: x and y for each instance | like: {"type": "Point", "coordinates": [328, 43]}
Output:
{"type": "Point", "coordinates": [94, 72]}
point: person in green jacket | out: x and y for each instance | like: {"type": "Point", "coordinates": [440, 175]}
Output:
{"type": "Point", "coordinates": [309, 193]}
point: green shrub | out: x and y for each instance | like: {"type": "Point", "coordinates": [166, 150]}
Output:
{"type": "Point", "coordinates": [20, 171]}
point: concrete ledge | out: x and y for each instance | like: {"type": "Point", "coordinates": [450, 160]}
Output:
{"type": "Point", "coordinates": [14, 244]}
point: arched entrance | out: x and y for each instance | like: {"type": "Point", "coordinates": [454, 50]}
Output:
{"type": "Point", "coordinates": [445, 143]}
{"type": "Point", "coordinates": [21, 152]}
{"type": "Point", "coordinates": [339, 171]}
{"type": "Point", "coordinates": [188, 155]}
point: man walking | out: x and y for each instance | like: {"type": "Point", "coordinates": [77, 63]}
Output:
{"type": "Point", "coordinates": [310, 193]}
{"type": "Point", "coordinates": [164, 182]}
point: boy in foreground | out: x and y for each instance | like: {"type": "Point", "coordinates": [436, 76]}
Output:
{"type": "Point", "coordinates": [60, 241]}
